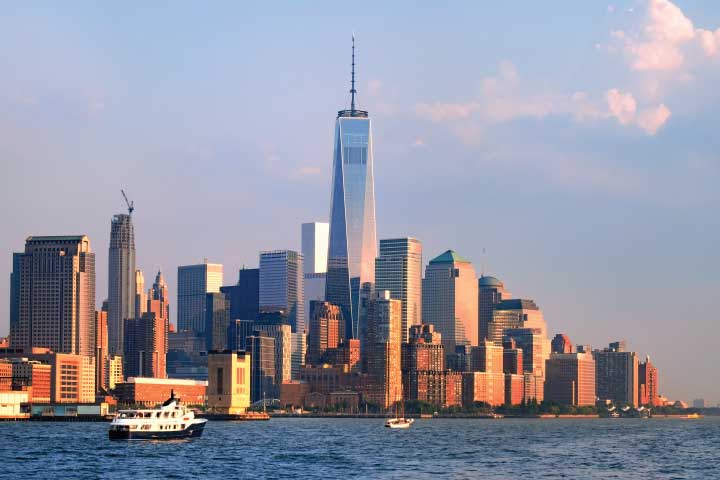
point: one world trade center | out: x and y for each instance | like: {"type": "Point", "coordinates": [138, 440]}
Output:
{"type": "Point", "coordinates": [352, 245]}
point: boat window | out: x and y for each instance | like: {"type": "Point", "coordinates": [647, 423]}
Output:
{"type": "Point", "coordinates": [157, 415]}
{"type": "Point", "coordinates": [133, 427]}
{"type": "Point", "coordinates": [165, 415]}
{"type": "Point", "coordinates": [182, 426]}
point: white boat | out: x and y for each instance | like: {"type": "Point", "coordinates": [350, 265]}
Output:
{"type": "Point", "coordinates": [400, 422]}
{"type": "Point", "coordinates": [169, 421]}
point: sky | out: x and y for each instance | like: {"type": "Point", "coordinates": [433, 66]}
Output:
{"type": "Point", "coordinates": [575, 143]}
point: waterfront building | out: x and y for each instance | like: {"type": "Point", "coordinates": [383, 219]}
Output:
{"type": "Point", "coordinates": [298, 353]}
{"type": "Point", "coordinates": [217, 321]}
{"type": "Point", "coordinates": [570, 379]}
{"type": "Point", "coordinates": [244, 297]}
{"type": "Point", "coordinates": [150, 392]}
{"type": "Point", "coordinates": [491, 291]}
{"type": "Point", "coordinates": [616, 374]}
{"type": "Point", "coordinates": [140, 294]}
{"type": "Point", "coordinates": [698, 403]}
{"type": "Point", "coordinates": [328, 378]}
{"type": "Point", "coordinates": [228, 382]}
{"type": "Point", "coordinates": [282, 334]}
{"type": "Point", "coordinates": [561, 344]}
{"type": "Point", "coordinates": [423, 351]}
{"type": "Point", "coordinates": [121, 280]}
{"type": "Point", "coordinates": [324, 332]}
{"type": "Point", "coordinates": [6, 375]}
{"type": "Point", "coordinates": [101, 349]}
{"type": "Point", "coordinates": [194, 283]}
{"type": "Point", "coordinates": [352, 247]}
{"type": "Point", "coordinates": [114, 369]}
{"type": "Point", "coordinates": [262, 369]}
{"type": "Point", "coordinates": [281, 286]}
{"type": "Point", "coordinates": [533, 345]}
{"type": "Point", "coordinates": [514, 388]}
{"type": "Point", "coordinates": [512, 357]}
{"type": "Point", "coordinates": [486, 357]}
{"type": "Point", "coordinates": [398, 269]}
{"type": "Point", "coordinates": [533, 387]}
{"type": "Point", "coordinates": [450, 296]}
{"type": "Point", "coordinates": [35, 374]}
{"type": "Point", "coordinates": [384, 350]}
{"type": "Point", "coordinates": [56, 301]}
{"type": "Point", "coordinates": [483, 387]}
{"type": "Point", "coordinates": [647, 383]}
{"type": "Point", "coordinates": [293, 393]}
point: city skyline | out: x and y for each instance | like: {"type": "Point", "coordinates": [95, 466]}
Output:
{"type": "Point", "coordinates": [598, 268]}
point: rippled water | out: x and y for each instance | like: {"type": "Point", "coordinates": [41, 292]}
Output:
{"type": "Point", "coordinates": [360, 448]}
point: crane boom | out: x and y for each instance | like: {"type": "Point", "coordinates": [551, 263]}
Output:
{"type": "Point", "coordinates": [130, 205]}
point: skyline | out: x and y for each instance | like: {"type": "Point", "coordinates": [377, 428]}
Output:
{"type": "Point", "coordinates": [614, 226]}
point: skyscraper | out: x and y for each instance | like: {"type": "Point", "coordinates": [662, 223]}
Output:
{"type": "Point", "coordinates": [323, 331]}
{"type": "Point", "coordinates": [570, 379]}
{"type": "Point", "coordinates": [56, 301]}
{"type": "Point", "coordinates": [245, 296]}
{"type": "Point", "coordinates": [194, 282]}
{"type": "Point", "coordinates": [384, 353]}
{"type": "Point", "coordinates": [616, 374]}
{"type": "Point", "coordinates": [490, 292]}
{"type": "Point", "coordinates": [121, 280]}
{"type": "Point", "coordinates": [281, 286]}
{"type": "Point", "coordinates": [647, 383]}
{"type": "Point", "coordinates": [314, 246]}
{"type": "Point", "coordinates": [217, 321]}
{"type": "Point", "coordinates": [450, 296]}
{"type": "Point", "coordinates": [140, 294]}
{"type": "Point", "coordinates": [352, 245]}
{"type": "Point", "coordinates": [399, 270]}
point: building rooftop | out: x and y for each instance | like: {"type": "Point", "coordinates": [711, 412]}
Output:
{"type": "Point", "coordinates": [450, 256]}
{"type": "Point", "coordinates": [166, 381]}
{"type": "Point", "coordinates": [487, 281]}
{"type": "Point", "coordinates": [517, 304]}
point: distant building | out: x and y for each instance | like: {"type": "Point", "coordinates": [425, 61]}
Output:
{"type": "Point", "coordinates": [423, 369]}
{"type": "Point", "coordinates": [516, 313]}
{"type": "Point", "coordinates": [228, 382]}
{"type": "Point", "coordinates": [384, 351]}
{"type": "Point", "coordinates": [281, 286]}
{"type": "Point", "coordinates": [512, 357]}
{"type": "Point", "coordinates": [647, 383]}
{"type": "Point", "coordinates": [121, 280]}
{"type": "Point", "coordinates": [238, 331]}
{"type": "Point", "coordinates": [140, 294]}
{"type": "Point", "coordinates": [450, 296]}
{"type": "Point", "coordinates": [314, 246]}
{"type": "Point", "coordinates": [56, 298]}
{"type": "Point", "coordinates": [616, 374]}
{"type": "Point", "coordinates": [570, 379]}
{"type": "Point", "coordinates": [262, 370]}
{"type": "Point", "coordinates": [535, 350]}
{"type": "Point", "coordinates": [101, 350]}
{"type": "Point", "coordinates": [398, 269]}
{"type": "Point", "coordinates": [32, 373]}
{"type": "Point", "coordinates": [486, 357]}
{"type": "Point", "coordinates": [298, 354]}
{"type": "Point", "coordinates": [514, 389]}
{"type": "Point", "coordinates": [483, 387]}
{"type": "Point", "coordinates": [561, 344]}
{"type": "Point", "coordinates": [282, 334]}
{"type": "Point", "coordinates": [217, 321]}
{"type": "Point", "coordinates": [244, 297]}
{"type": "Point", "coordinates": [194, 283]}
{"type": "Point", "coordinates": [491, 291]}
{"type": "Point", "coordinates": [698, 403]}
{"type": "Point", "coordinates": [151, 392]}
{"type": "Point", "coordinates": [346, 353]}
{"type": "Point", "coordinates": [324, 330]}
{"type": "Point", "coordinates": [114, 368]}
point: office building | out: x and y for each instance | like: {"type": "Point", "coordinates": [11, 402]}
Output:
{"type": "Point", "coordinates": [217, 321]}
{"type": "Point", "coordinates": [398, 269]}
{"type": "Point", "coordinates": [56, 301]}
{"type": "Point", "coordinates": [238, 331]}
{"type": "Point", "coordinates": [491, 291]}
{"type": "Point", "coordinates": [647, 383]}
{"type": "Point", "coordinates": [101, 349]}
{"type": "Point", "coordinates": [262, 369]}
{"type": "Point", "coordinates": [486, 357]}
{"type": "Point", "coordinates": [561, 344]}
{"type": "Point", "coordinates": [346, 353]}
{"type": "Point", "coordinates": [315, 246]}
{"type": "Point", "coordinates": [114, 369]}
{"type": "Point", "coordinates": [121, 280]}
{"type": "Point", "coordinates": [532, 343]}
{"type": "Point", "coordinates": [450, 299]}
{"type": "Point", "coordinates": [516, 313]}
{"type": "Point", "coordinates": [570, 379]}
{"type": "Point", "coordinates": [512, 357]}
{"type": "Point", "coordinates": [483, 388]}
{"type": "Point", "coordinates": [228, 390]}
{"type": "Point", "coordinates": [245, 296]}
{"type": "Point", "coordinates": [616, 374]}
{"type": "Point", "coordinates": [298, 354]}
{"type": "Point", "coordinates": [423, 351]}
{"type": "Point", "coordinates": [194, 283]}
{"type": "Point", "coordinates": [384, 350]}
{"type": "Point", "coordinates": [281, 286]}
{"type": "Point", "coordinates": [324, 331]}
{"type": "Point", "coordinates": [140, 294]}
{"type": "Point", "coordinates": [282, 334]}
{"type": "Point", "coordinates": [352, 247]}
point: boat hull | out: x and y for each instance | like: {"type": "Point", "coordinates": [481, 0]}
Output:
{"type": "Point", "coordinates": [193, 431]}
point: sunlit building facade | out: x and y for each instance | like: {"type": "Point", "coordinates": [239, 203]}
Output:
{"type": "Point", "coordinates": [121, 280]}
{"type": "Point", "coordinates": [194, 282]}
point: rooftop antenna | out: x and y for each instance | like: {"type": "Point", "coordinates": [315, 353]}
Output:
{"type": "Point", "coordinates": [482, 264]}
{"type": "Point", "coordinates": [352, 81]}
{"type": "Point", "coordinates": [130, 205]}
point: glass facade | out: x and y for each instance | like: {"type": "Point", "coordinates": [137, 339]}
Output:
{"type": "Point", "coordinates": [352, 245]}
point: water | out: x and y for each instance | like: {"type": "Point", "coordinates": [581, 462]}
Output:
{"type": "Point", "coordinates": [360, 448]}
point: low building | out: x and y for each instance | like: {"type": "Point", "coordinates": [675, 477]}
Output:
{"type": "Point", "coordinates": [570, 379]}
{"type": "Point", "coordinates": [441, 388]}
{"type": "Point", "coordinates": [293, 393]}
{"type": "Point", "coordinates": [31, 373]}
{"type": "Point", "coordinates": [150, 392]}
{"type": "Point", "coordinates": [13, 404]}
{"type": "Point", "coordinates": [483, 387]}
{"type": "Point", "coordinates": [346, 400]}
{"type": "Point", "coordinates": [228, 390]}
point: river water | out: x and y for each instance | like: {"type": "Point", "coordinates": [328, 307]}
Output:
{"type": "Point", "coordinates": [363, 448]}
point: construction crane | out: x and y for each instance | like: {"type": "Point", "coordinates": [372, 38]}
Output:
{"type": "Point", "coordinates": [131, 205]}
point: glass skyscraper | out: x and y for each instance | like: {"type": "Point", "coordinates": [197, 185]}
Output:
{"type": "Point", "coordinates": [352, 245]}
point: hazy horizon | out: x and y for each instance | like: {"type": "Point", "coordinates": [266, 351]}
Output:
{"type": "Point", "coordinates": [573, 141]}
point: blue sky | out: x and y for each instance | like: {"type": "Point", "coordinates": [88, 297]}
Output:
{"type": "Point", "coordinates": [574, 141]}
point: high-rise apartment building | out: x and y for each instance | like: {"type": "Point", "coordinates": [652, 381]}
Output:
{"type": "Point", "coordinates": [384, 350]}
{"type": "Point", "coordinates": [121, 280]}
{"type": "Point", "coordinates": [616, 374]}
{"type": "Point", "coordinates": [352, 247]}
{"type": "Point", "coordinates": [56, 301]}
{"type": "Point", "coordinates": [324, 331]}
{"type": "Point", "coordinates": [647, 383]}
{"type": "Point", "coordinates": [194, 282]}
{"type": "Point", "coordinates": [281, 286]}
{"type": "Point", "coordinates": [491, 291]}
{"type": "Point", "coordinates": [570, 379]}
{"type": "Point", "coordinates": [450, 300]}
{"type": "Point", "coordinates": [101, 349]}
{"type": "Point", "coordinates": [398, 269]}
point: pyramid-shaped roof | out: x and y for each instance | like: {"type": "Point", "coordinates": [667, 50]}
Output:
{"type": "Point", "coordinates": [450, 256]}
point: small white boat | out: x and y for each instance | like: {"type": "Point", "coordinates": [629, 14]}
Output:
{"type": "Point", "coordinates": [399, 422]}
{"type": "Point", "coordinates": [169, 421]}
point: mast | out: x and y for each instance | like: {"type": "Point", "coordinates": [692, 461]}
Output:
{"type": "Point", "coordinates": [352, 77]}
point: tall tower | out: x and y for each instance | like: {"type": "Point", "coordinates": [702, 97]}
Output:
{"type": "Point", "coordinates": [352, 246]}
{"type": "Point", "coordinates": [56, 301]}
{"type": "Point", "coordinates": [121, 279]}
{"type": "Point", "coordinates": [399, 270]}
{"type": "Point", "coordinates": [281, 286]}
{"type": "Point", "coordinates": [194, 282]}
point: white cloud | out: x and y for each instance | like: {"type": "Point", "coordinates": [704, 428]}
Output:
{"type": "Point", "coordinates": [623, 107]}
{"type": "Point", "coordinates": [652, 119]}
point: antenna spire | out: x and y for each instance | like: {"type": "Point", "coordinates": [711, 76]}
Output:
{"type": "Point", "coordinates": [352, 81]}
